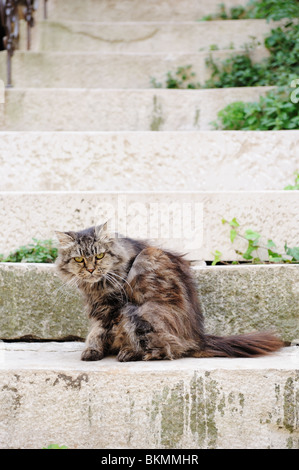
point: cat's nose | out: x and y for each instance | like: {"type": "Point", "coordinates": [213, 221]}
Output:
{"type": "Point", "coordinates": [91, 270]}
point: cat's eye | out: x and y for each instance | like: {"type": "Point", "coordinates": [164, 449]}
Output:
{"type": "Point", "coordinates": [79, 259]}
{"type": "Point", "coordinates": [100, 255]}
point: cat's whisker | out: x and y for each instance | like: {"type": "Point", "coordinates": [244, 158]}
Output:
{"type": "Point", "coordinates": [66, 287]}
{"type": "Point", "coordinates": [123, 279]}
{"type": "Point", "coordinates": [114, 284]}
{"type": "Point", "coordinates": [110, 279]}
{"type": "Point", "coordinates": [117, 284]}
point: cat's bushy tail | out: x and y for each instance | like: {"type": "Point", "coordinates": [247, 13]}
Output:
{"type": "Point", "coordinates": [245, 345]}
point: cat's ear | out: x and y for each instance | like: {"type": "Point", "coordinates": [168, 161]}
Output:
{"type": "Point", "coordinates": [65, 238]}
{"type": "Point", "coordinates": [102, 232]}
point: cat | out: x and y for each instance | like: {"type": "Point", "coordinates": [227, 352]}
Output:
{"type": "Point", "coordinates": [142, 301]}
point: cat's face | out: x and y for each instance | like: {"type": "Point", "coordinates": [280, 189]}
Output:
{"type": "Point", "coordinates": [89, 255]}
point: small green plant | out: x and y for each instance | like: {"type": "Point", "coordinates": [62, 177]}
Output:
{"type": "Point", "coordinates": [257, 9]}
{"type": "Point", "coordinates": [272, 9]}
{"type": "Point", "coordinates": [217, 257]}
{"type": "Point", "coordinates": [278, 69]}
{"type": "Point", "coordinates": [40, 251]}
{"type": "Point", "coordinates": [274, 111]}
{"type": "Point", "coordinates": [55, 446]}
{"type": "Point", "coordinates": [234, 13]}
{"type": "Point", "coordinates": [236, 71]}
{"type": "Point", "coordinates": [294, 187]}
{"type": "Point", "coordinates": [182, 78]}
{"type": "Point", "coordinates": [254, 246]}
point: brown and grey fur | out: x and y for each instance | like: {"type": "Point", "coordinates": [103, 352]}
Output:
{"type": "Point", "coordinates": [142, 301]}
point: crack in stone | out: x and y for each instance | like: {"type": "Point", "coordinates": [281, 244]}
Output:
{"type": "Point", "coordinates": [111, 41]}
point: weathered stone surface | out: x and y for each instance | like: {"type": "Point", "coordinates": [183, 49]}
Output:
{"type": "Point", "coordinates": [168, 37]}
{"type": "Point", "coordinates": [34, 302]}
{"type": "Point", "coordinates": [249, 298]}
{"type": "Point", "coordinates": [235, 299]}
{"type": "Point", "coordinates": [78, 109]}
{"type": "Point", "coordinates": [133, 10]}
{"type": "Point", "coordinates": [187, 403]}
{"type": "Point", "coordinates": [147, 161]}
{"type": "Point", "coordinates": [106, 70]}
{"type": "Point", "coordinates": [188, 222]}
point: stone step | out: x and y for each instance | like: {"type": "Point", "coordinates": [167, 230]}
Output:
{"type": "Point", "coordinates": [148, 161]}
{"type": "Point", "coordinates": [183, 404]}
{"type": "Point", "coordinates": [77, 109]}
{"type": "Point", "coordinates": [188, 222]}
{"type": "Point", "coordinates": [106, 70]}
{"type": "Point", "coordinates": [235, 299]}
{"type": "Point", "coordinates": [133, 10]}
{"type": "Point", "coordinates": [146, 37]}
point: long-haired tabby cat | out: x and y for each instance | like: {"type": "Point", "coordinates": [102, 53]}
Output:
{"type": "Point", "coordinates": [142, 301]}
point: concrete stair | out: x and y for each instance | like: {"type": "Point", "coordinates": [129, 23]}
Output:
{"type": "Point", "coordinates": [132, 10]}
{"type": "Point", "coordinates": [49, 396]}
{"type": "Point", "coordinates": [127, 54]}
{"type": "Point", "coordinates": [35, 303]}
{"type": "Point", "coordinates": [78, 138]}
{"type": "Point", "coordinates": [153, 161]}
{"type": "Point", "coordinates": [57, 109]}
{"type": "Point", "coordinates": [146, 37]}
{"type": "Point", "coordinates": [187, 221]}
{"type": "Point", "coordinates": [100, 70]}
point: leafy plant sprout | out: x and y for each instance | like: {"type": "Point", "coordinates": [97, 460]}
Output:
{"type": "Point", "coordinates": [294, 187]}
{"type": "Point", "coordinates": [254, 244]}
{"type": "Point", "coordinates": [182, 78]}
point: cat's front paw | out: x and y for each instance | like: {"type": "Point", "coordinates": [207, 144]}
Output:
{"type": "Point", "coordinates": [126, 355]}
{"type": "Point", "coordinates": [90, 354]}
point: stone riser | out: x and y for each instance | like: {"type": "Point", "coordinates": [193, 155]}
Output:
{"type": "Point", "coordinates": [97, 70]}
{"type": "Point", "coordinates": [235, 300]}
{"type": "Point", "coordinates": [182, 404]}
{"type": "Point", "coordinates": [194, 161]}
{"type": "Point", "coordinates": [189, 222]}
{"type": "Point", "coordinates": [57, 109]}
{"type": "Point", "coordinates": [146, 36]}
{"type": "Point", "coordinates": [133, 10]}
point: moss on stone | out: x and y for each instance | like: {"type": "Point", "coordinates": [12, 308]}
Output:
{"type": "Point", "coordinates": [157, 118]}
{"type": "Point", "coordinates": [291, 404]}
{"type": "Point", "coordinates": [34, 302]}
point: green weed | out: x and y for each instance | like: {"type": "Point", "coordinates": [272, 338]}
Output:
{"type": "Point", "coordinates": [279, 68]}
{"type": "Point", "coordinates": [40, 251]}
{"type": "Point", "coordinates": [55, 446]}
{"type": "Point", "coordinates": [274, 111]}
{"type": "Point", "coordinates": [295, 186]}
{"type": "Point", "coordinates": [182, 78]}
{"type": "Point", "coordinates": [257, 9]}
{"type": "Point", "coordinates": [255, 246]}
